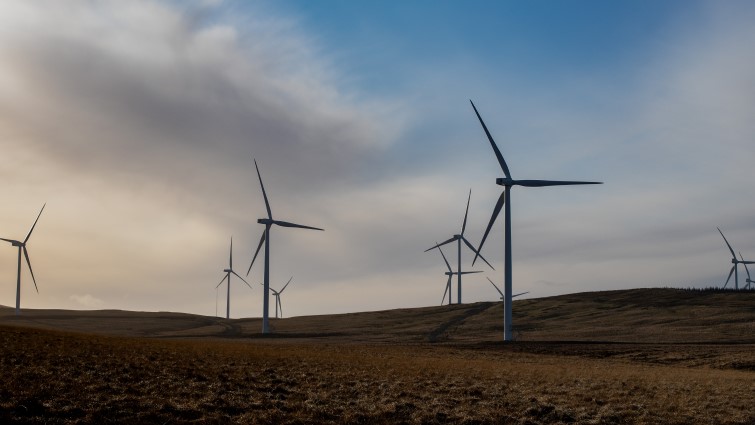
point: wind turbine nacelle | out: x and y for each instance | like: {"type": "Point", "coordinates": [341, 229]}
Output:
{"type": "Point", "coordinates": [264, 221]}
{"type": "Point", "coordinates": [227, 271]}
{"type": "Point", "coordinates": [502, 181]}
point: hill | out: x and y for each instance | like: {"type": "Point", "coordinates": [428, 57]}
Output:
{"type": "Point", "coordinates": [658, 315]}
{"type": "Point", "coordinates": [640, 356]}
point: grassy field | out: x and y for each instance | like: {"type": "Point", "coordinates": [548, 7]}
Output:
{"type": "Point", "coordinates": [664, 356]}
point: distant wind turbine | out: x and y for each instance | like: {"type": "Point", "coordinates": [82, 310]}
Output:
{"type": "Point", "coordinates": [459, 238]}
{"type": "Point", "coordinates": [228, 272]}
{"type": "Point", "coordinates": [499, 291]}
{"type": "Point", "coordinates": [749, 280]}
{"type": "Point", "coordinates": [22, 247]}
{"type": "Point", "coordinates": [735, 262]}
{"type": "Point", "coordinates": [508, 182]}
{"type": "Point", "coordinates": [268, 222]}
{"type": "Point", "coordinates": [277, 295]}
{"type": "Point", "coordinates": [450, 273]}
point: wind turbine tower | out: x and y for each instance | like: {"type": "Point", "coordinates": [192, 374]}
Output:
{"type": "Point", "coordinates": [508, 182]}
{"type": "Point", "coordinates": [22, 247]}
{"type": "Point", "coordinates": [228, 272]}
{"type": "Point", "coordinates": [268, 222]}
{"type": "Point", "coordinates": [459, 238]}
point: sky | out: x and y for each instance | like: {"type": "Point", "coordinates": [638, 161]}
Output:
{"type": "Point", "coordinates": [137, 123]}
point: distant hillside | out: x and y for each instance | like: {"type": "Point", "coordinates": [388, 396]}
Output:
{"type": "Point", "coordinates": [635, 315]}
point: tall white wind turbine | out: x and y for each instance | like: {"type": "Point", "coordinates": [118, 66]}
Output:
{"type": "Point", "coordinates": [22, 247]}
{"type": "Point", "coordinates": [450, 274]}
{"type": "Point", "coordinates": [228, 272]}
{"type": "Point", "coordinates": [735, 261]}
{"type": "Point", "coordinates": [459, 238]}
{"type": "Point", "coordinates": [268, 222]}
{"type": "Point", "coordinates": [508, 182]}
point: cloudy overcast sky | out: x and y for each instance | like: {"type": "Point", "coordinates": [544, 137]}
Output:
{"type": "Point", "coordinates": [137, 123]}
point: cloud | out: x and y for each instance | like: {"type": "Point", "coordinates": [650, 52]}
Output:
{"type": "Point", "coordinates": [137, 122]}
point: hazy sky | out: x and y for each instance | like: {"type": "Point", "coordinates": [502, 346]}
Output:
{"type": "Point", "coordinates": [137, 122]}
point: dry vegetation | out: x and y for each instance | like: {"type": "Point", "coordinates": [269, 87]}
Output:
{"type": "Point", "coordinates": [346, 372]}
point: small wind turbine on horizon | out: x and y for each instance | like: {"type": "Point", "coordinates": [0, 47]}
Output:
{"type": "Point", "coordinates": [268, 222]}
{"type": "Point", "coordinates": [499, 291]}
{"type": "Point", "coordinates": [228, 272]}
{"type": "Point", "coordinates": [749, 280]}
{"type": "Point", "coordinates": [508, 182]}
{"type": "Point", "coordinates": [22, 247]}
{"type": "Point", "coordinates": [459, 238]}
{"type": "Point", "coordinates": [277, 295]}
{"type": "Point", "coordinates": [450, 273]}
{"type": "Point", "coordinates": [735, 261]}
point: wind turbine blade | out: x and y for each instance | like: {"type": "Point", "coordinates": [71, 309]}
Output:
{"type": "Point", "coordinates": [8, 240]}
{"type": "Point", "coordinates": [300, 226]}
{"type": "Point", "coordinates": [522, 293]}
{"type": "Point", "coordinates": [543, 183]}
{"type": "Point", "coordinates": [494, 286]}
{"type": "Point", "coordinates": [242, 279]}
{"type": "Point", "coordinates": [464, 226]}
{"type": "Point", "coordinates": [731, 272]}
{"type": "Point", "coordinates": [230, 258]}
{"type": "Point", "coordinates": [280, 306]}
{"type": "Point", "coordinates": [477, 271]}
{"type": "Point", "coordinates": [444, 259]}
{"type": "Point", "coordinates": [284, 286]}
{"type": "Point", "coordinates": [477, 253]}
{"type": "Point", "coordinates": [446, 291]}
{"type": "Point", "coordinates": [28, 263]}
{"type": "Point", "coordinates": [498, 155]}
{"type": "Point", "coordinates": [222, 280]}
{"type": "Point", "coordinates": [438, 245]}
{"type": "Point", "coordinates": [745, 263]}
{"type": "Point", "coordinates": [35, 223]}
{"type": "Point", "coordinates": [262, 240]}
{"type": "Point", "coordinates": [264, 194]}
{"type": "Point", "coordinates": [496, 211]}
{"type": "Point", "coordinates": [727, 244]}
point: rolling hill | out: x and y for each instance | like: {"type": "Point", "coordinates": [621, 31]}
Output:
{"type": "Point", "coordinates": [636, 315]}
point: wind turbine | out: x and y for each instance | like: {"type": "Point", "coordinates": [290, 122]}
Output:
{"type": "Point", "coordinates": [450, 273]}
{"type": "Point", "coordinates": [459, 238]}
{"type": "Point", "coordinates": [268, 222]}
{"type": "Point", "coordinates": [22, 247]}
{"type": "Point", "coordinates": [277, 295]}
{"type": "Point", "coordinates": [735, 262]}
{"type": "Point", "coordinates": [499, 291]}
{"type": "Point", "coordinates": [228, 272]}
{"type": "Point", "coordinates": [749, 280]}
{"type": "Point", "coordinates": [508, 182]}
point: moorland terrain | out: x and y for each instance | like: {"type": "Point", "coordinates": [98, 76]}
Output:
{"type": "Point", "coordinates": [631, 356]}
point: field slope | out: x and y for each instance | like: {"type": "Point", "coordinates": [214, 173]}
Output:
{"type": "Point", "coordinates": [634, 356]}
